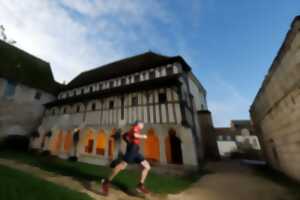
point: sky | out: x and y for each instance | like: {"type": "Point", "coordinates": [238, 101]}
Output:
{"type": "Point", "coordinates": [229, 44]}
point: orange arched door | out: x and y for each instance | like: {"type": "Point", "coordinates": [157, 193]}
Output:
{"type": "Point", "coordinates": [68, 142]}
{"type": "Point", "coordinates": [151, 147]}
{"type": "Point", "coordinates": [56, 143]}
{"type": "Point", "coordinates": [89, 142]}
{"type": "Point", "coordinates": [101, 143]}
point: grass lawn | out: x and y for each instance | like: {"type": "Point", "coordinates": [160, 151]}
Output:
{"type": "Point", "coordinates": [127, 179]}
{"type": "Point", "coordinates": [16, 185]}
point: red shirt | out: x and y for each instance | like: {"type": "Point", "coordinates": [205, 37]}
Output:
{"type": "Point", "coordinates": [135, 130]}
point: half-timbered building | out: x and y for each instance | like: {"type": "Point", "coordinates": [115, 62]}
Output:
{"type": "Point", "coordinates": [162, 91]}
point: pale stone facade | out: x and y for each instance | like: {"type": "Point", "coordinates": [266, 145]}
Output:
{"type": "Point", "coordinates": [276, 109]}
{"type": "Point", "coordinates": [22, 111]}
{"type": "Point", "coordinates": [169, 112]}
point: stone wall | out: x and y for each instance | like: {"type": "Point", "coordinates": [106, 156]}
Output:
{"type": "Point", "coordinates": [21, 113]}
{"type": "Point", "coordinates": [276, 109]}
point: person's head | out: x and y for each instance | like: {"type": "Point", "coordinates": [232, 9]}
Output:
{"type": "Point", "coordinates": [139, 123]}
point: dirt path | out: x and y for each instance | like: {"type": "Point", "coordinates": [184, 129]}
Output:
{"type": "Point", "coordinates": [233, 182]}
{"type": "Point", "coordinates": [230, 181]}
{"type": "Point", "coordinates": [69, 182]}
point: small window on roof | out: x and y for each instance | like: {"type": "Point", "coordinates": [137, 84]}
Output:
{"type": "Point", "coordinates": [111, 84]}
{"type": "Point", "coordinates": [136, 78]}
{"type": "Point", "coordinates": [152, 75]}
{"type": "Point", "coordinates": [170, 71]}
{"type": "Point", "coordinates": [123, 81]}
{"type": "Point", "coordinates": [38, 95]}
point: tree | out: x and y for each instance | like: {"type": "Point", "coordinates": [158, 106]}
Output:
{"type": "Point", "coordinates": [4, 37]}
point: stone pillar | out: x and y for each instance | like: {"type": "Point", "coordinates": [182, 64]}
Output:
{"type": "Point", "coordinates": [162, 150]}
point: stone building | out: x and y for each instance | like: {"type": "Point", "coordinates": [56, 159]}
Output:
{"type": "Point", "coordinates": [159, 90]}
{"type": "Point", "coordinates": [26, 84]}
{"type": "Point", "coordinates": [276, 108]}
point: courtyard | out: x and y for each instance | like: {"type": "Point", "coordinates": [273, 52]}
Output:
{"type": "Point", "coordinates": [66, 180]}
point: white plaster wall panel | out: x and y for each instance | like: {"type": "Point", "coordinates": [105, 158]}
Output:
{"type": "Point", "coordinates": [178, 113]}
{"type": "Point", "coordinates": [164, 113]}
{"type": "Point", "coordinates": [163, 71]}
{"type": "Point", "coordinates": [157, 114]}
{"type": "Point", "coordinates": [171, 113]}
{"type": "Point", "coordinates": [145, 114]}
{"type": "Point", "coordinates": [151, 109]}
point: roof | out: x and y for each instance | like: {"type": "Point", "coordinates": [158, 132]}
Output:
{"type": "Point", "coordinates": [275, 64]}
{"type": "Point", "coordinates": [21, 67]}
{"type": "Point", "coordinates": [124, 67]}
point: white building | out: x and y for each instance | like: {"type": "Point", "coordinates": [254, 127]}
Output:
{"type": "Point", "coordinates": [159, 90]}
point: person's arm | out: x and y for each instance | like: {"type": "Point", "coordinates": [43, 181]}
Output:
{"type": "Point", "coordinates": [140, 136]}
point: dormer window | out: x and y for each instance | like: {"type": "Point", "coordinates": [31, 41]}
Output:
{"type": "Point", "coordinates": [78, 108]}
{"type": "Point", "coordinates": [91, 88]}
{"type": "Point", "coordinates": [137, 78]}
{"type": "Point", "coordinates": [111, 84]}
{"type": "Point", "coordinates": [170, 71]}
{"type": "Point", "coordinates": [82, 91]}
{"type": "Point", "coordinates": [162, 98]}
{"type": "Point", "coordinates": [123, 81]}
{"type": "Point", "coordinates": [152, 75]}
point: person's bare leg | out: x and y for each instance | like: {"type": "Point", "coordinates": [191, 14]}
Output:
{"type": "Point", "coordinates": [145, 171]}
{"type": "Point", "coordinates": [121, 166]}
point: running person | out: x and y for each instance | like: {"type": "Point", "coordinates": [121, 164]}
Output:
{"type": "Point", "coordinates": [132, 155]}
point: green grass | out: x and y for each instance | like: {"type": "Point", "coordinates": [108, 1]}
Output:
{"type": "Point", "coordinates": [280, 178]}
{"type": "Point", "coordinates": [163, 184]}
{"type": "Point", "coordinates": [16, 185]}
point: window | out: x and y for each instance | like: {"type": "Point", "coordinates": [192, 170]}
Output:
{"type": "Point", "coordinates": [74, 93]}
{"type": "Point", "coordinates": [123, 81]}
{"type": "Point", "coordinates": [10, 89]}
{"type": "Point", "coordinates": [152, 75]}
{"type": "Point", "coordinates": [170, 71]}
{"type": "Point", "coordinates": [91, 88]}
{"type": "Point", "coordinates": [134, 101]}
{"type": "Point", "coordinates": [78, 108]}
{"type": "Point", "coordinates": [38, 95]}
{"type": "Point", "coordinates": [122, 108]}
{"type": "Point", "coordinates": [220, 137]}
{"type": "Point", "coordinates": [137, 78]}
{"type": "Point", "coordinates": [100, 86]}
{"type": "Point", "coordinates": [111, 104]}
{"type": "Point", "coordinates": [65, 110]}
{"type": "Point", "coordinates": [53, 112]}
{"type": "Point", "coordinates": [228, 137]}
{"type": "Point", "coordinates": [111, 84]}
{"type": "Point", "coordinates": [93, 106]}
{"type": "Point", "coordinates": [162, 98]}
{"type": "Point", "coordinates": [82, 91]}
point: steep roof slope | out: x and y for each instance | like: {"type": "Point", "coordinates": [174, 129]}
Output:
{"type": "Point", "coordinates": [19, 66]}
{"type": "Point", "coordinates": [125, 66]}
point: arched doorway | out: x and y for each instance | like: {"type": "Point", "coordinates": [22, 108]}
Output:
{"type": "Point", "coordinates": [68, 142]}
{"type": "Point", "coordinates": [101, 143]}
{"type": "Point", "coordinates": [173, 148]}
{"type": "Point", "coordinates": [56, 143]}
{"type": "Point", "coordinates": [89, 142]}
{"type": "Point", "coordinates": [151, 147]}
{"type": "Point", "coordinates": [111, 144]}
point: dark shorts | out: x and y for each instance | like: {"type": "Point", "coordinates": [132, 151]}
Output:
{"type": "Point", "coordinates": [132, 154]}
